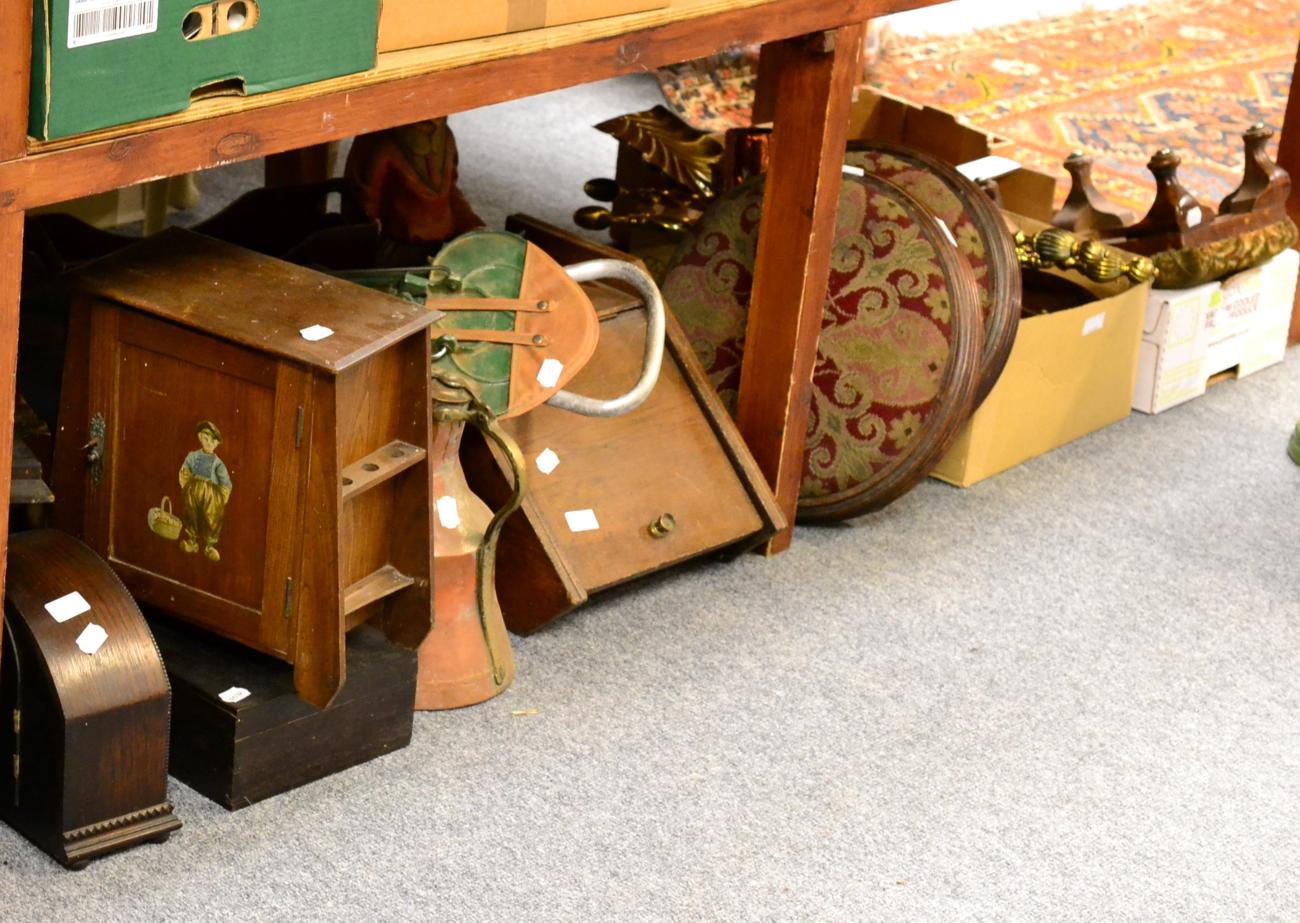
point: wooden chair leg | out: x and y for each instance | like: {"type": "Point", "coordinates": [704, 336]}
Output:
{"type": "Point", "coordinates": [811, 81]}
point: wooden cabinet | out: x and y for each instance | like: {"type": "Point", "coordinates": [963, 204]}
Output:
{"type": "Point", "coordinates": [246, 442]}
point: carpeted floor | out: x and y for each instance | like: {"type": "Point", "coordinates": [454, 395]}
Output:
{"type": "Point", "coordinates": [1069, 693]}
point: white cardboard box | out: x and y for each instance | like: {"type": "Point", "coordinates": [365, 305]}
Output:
{"type": "Point", "coordinates": [1189, 335]}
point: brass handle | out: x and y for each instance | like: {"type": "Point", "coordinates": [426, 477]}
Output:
{"type": "Point", "coordinates": [1054, 247]}
{"type": "Point", "coordinates": [602, 190]}
{"type": "Point", "coordinates": [663, 525]}
{"type": "Point", "coordinates": [93, 452]}
{"type": "Point", "coordinates": [595, 218]}
{"type": "Point", "coordinates": [456, 403]}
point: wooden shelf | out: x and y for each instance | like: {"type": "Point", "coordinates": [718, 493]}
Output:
{"type": "Point", "coordinates": [416, 62]}
{"type": "Point", "coordinates": [379, 466]}
{"type": "Point", "coordinates": [384, 582]}
{"type": "Point", "coordinates": [407, 86]}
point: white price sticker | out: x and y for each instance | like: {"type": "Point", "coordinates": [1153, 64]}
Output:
{"type": "Point", "coordinates": [549, 373]}
{"type": "Point", "coordinates": [547, 461]}
{"type": "Point", "coordinates": [448, 512]}
{"type": "Point", "coordinates": [234, 694]}
{"type": "Point", "coordinates": [67, 607]}
{"type": "Point", "coordinates": [581, 520]}
{"type": "Point", "coordinates": [315, 332]}
{"type": "Point", "coordinates": [92, 638]}
{"type": "Point", "coordinates": [1094, 323]}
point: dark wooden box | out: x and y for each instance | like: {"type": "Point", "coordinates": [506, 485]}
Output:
{"type": "Point", "coordinates": [240, 753]}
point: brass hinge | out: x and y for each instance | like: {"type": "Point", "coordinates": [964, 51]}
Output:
{"type": "Point", "coordinates": [288, 596]}
{"type": "Point", "coordinates": [297, 430]}
{"type": "Point", "coordinates": [18, 720]}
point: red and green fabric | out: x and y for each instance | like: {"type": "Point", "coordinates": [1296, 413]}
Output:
{"type": "Point", "coordinates": [886, 328]}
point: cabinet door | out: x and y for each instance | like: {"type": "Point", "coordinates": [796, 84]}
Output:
{"type": "Point", "coordinates": [197, 473]}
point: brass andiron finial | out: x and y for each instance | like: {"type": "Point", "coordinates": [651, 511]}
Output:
{"type": "Point", "coordinates": [1061, 249]}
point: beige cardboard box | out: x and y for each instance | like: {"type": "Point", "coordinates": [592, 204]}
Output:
{"type": "Point", "coordinates": [416, 23]}
{"type": "Point", "coordinates": [878, 116]}
{"type": "Point", "coordinates": [1171, 359]}
{"type": "Point", "coordinates": [1070, 373]}
{"type": "Point", "coordinates": [1193, 334]}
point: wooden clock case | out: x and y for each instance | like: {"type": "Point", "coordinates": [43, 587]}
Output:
{"type": "Point", "coordinates": [85, 734]}
{"type": "Point", "coordinates": [320, 446]}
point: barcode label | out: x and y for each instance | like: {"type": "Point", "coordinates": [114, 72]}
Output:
{"type": "Point", "coordinates": [94, 21]}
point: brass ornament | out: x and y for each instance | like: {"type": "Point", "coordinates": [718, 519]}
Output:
{"type": "Point", "coordinates": [597, 218]}
{"type": "Point", "coordinates": [1192, 266]}
{"type": "Point", "coordinates": [1054, 248]}
{"type": "Point", "coordinates": [685, 154]}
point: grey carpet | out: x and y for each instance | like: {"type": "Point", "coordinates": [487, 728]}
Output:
{"type": "Point", "coordinates": [1069, 693]}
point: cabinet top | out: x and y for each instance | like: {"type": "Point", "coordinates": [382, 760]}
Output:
{"type": "Point", "coordinates": [253, 300]}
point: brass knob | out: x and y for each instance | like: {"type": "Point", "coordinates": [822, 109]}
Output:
{"type": "Point", "coordinates": [663, 525]}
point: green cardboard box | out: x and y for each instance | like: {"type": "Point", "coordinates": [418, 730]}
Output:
{"type": "Point", "coordinates": [99, 63]}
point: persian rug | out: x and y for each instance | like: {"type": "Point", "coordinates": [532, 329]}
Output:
{"type": "Point", "coordinates": [1191, 75]}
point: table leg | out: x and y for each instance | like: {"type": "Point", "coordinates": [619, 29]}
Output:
{"type": "Point", "coordinates": [1288, 158]}
{"type": "Point", "coordinates": [11, 262]}
{"type": "Point", "coordinates": [811, 81]}
{"type": "Point", "coordinates": [15, 70]}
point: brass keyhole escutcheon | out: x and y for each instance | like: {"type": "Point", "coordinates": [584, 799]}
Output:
{"type": "Point", "coordinates": [663, 525]}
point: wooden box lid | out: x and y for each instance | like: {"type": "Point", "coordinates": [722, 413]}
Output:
{"type": "Point", "coordinates": [251, 299]}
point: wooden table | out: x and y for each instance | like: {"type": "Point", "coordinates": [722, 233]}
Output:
{"type": "Point", "coordinates": [1288, 158]}
{"type": "Point", "coordinates": [810, 59]}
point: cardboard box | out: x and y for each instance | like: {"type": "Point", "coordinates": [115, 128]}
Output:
{"type": "Point", "coordinates": [416, 23]}
{"type": "Point", "coordinates": [99, 63]}
{"type": "Point", "coordinates": [879, 116]}
{"type": "Point", "coordinates": [1070, 373]}
{"type": "Point", "coordinates": [1191, 335]}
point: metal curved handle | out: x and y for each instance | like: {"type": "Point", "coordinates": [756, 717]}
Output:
{"type": "Point", "coordinates": [487, 552]}
{"type": "Point", "coordinates": [654, 340]}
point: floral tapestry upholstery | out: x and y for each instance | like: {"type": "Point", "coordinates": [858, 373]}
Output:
{"type": "Point", "coordinates": [941, 202]}
{"type": "Point", "coordinates": [886, 330]}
